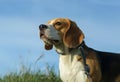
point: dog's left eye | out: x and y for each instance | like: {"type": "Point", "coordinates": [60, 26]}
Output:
{"type": "Point", "coordinates": [58, 23]}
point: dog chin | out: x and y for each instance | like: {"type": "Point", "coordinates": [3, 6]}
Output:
{"type": "Point", "coordinates": [50, 41]}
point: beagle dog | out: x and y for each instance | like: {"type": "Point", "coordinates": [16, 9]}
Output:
{"type": "Point", "coordinates": [66, 37]}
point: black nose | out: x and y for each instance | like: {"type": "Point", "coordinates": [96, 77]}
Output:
{"type": "Point", "coordinates": [43, 26]}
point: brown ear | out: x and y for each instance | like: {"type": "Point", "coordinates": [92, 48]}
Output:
{"type": "Point", "coordinates": [48, 46]}
{"type": "Point", "coordinates": [73, 36]}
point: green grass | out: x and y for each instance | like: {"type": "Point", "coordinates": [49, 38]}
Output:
{"type": "Point", "coordinates": [30, 76]}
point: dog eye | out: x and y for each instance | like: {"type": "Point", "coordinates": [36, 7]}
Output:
{"type": "Point", "coordinates": [58, 23]}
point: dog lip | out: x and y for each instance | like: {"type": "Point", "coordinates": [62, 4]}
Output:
{"type": "Point", "coordinates": [56, 41]}
{"type": "Point", "coordinates": [42, 34]}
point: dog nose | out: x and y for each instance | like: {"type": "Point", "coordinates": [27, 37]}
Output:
{"type": "Point", "coordinates": [43, 26]}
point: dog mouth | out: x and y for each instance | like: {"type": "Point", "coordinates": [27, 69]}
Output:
{"type": "Point", "coordinates": [42, 34]}
{"type": "Point", "coordinates": [56, 41]}
{"type": "Point", "coordinates": [48, 40]}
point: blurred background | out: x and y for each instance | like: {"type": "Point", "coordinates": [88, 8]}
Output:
{"type": "Point", "coordinates": [19, 34]}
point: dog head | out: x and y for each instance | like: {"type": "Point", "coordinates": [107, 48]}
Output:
{"type": "Point", "coordinates": [61, 30]}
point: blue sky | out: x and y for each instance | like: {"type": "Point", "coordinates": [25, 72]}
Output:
{"type": "Point", "coordinates": [19, 33]}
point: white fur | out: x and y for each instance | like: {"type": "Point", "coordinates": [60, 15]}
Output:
{"type": "Point", "coordinates": [71, 70]}
{"type": "Point", "coordinates": [51, 33]}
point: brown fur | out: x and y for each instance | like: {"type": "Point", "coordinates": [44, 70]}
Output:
{"type": "Point", "coordinates": [104, 66]}
{"type": "Point", "coordinates": [73, 36]}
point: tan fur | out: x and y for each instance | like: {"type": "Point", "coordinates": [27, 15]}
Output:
{"type": "Point", "coordinates": [95, 71]}
{"type": "Point", "coordinates": [70, 36]}
{"type": "Point", "coordinates": [117, 79]}
{"type": "Point", "coordinates": [73, 36]}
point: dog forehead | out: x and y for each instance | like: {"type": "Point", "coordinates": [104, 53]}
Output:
{"type": "Point", "coordinates": [51, 22]}
{"type": "Point", "coordinates": [58, 20]}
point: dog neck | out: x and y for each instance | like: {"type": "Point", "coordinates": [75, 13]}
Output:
{"type": "Point", "coordinates": [63, 50]}
{"type": "Point", "coordinates": [71, 64]}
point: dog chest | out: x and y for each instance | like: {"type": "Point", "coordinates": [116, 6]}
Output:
{"type": "Point", "coordinates": [71, 70]}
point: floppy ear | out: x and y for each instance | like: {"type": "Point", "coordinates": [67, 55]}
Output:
{"type": "Point", "coordinates": [48, 46]}
{"type": "Point", "coordinates": [73, 36]}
